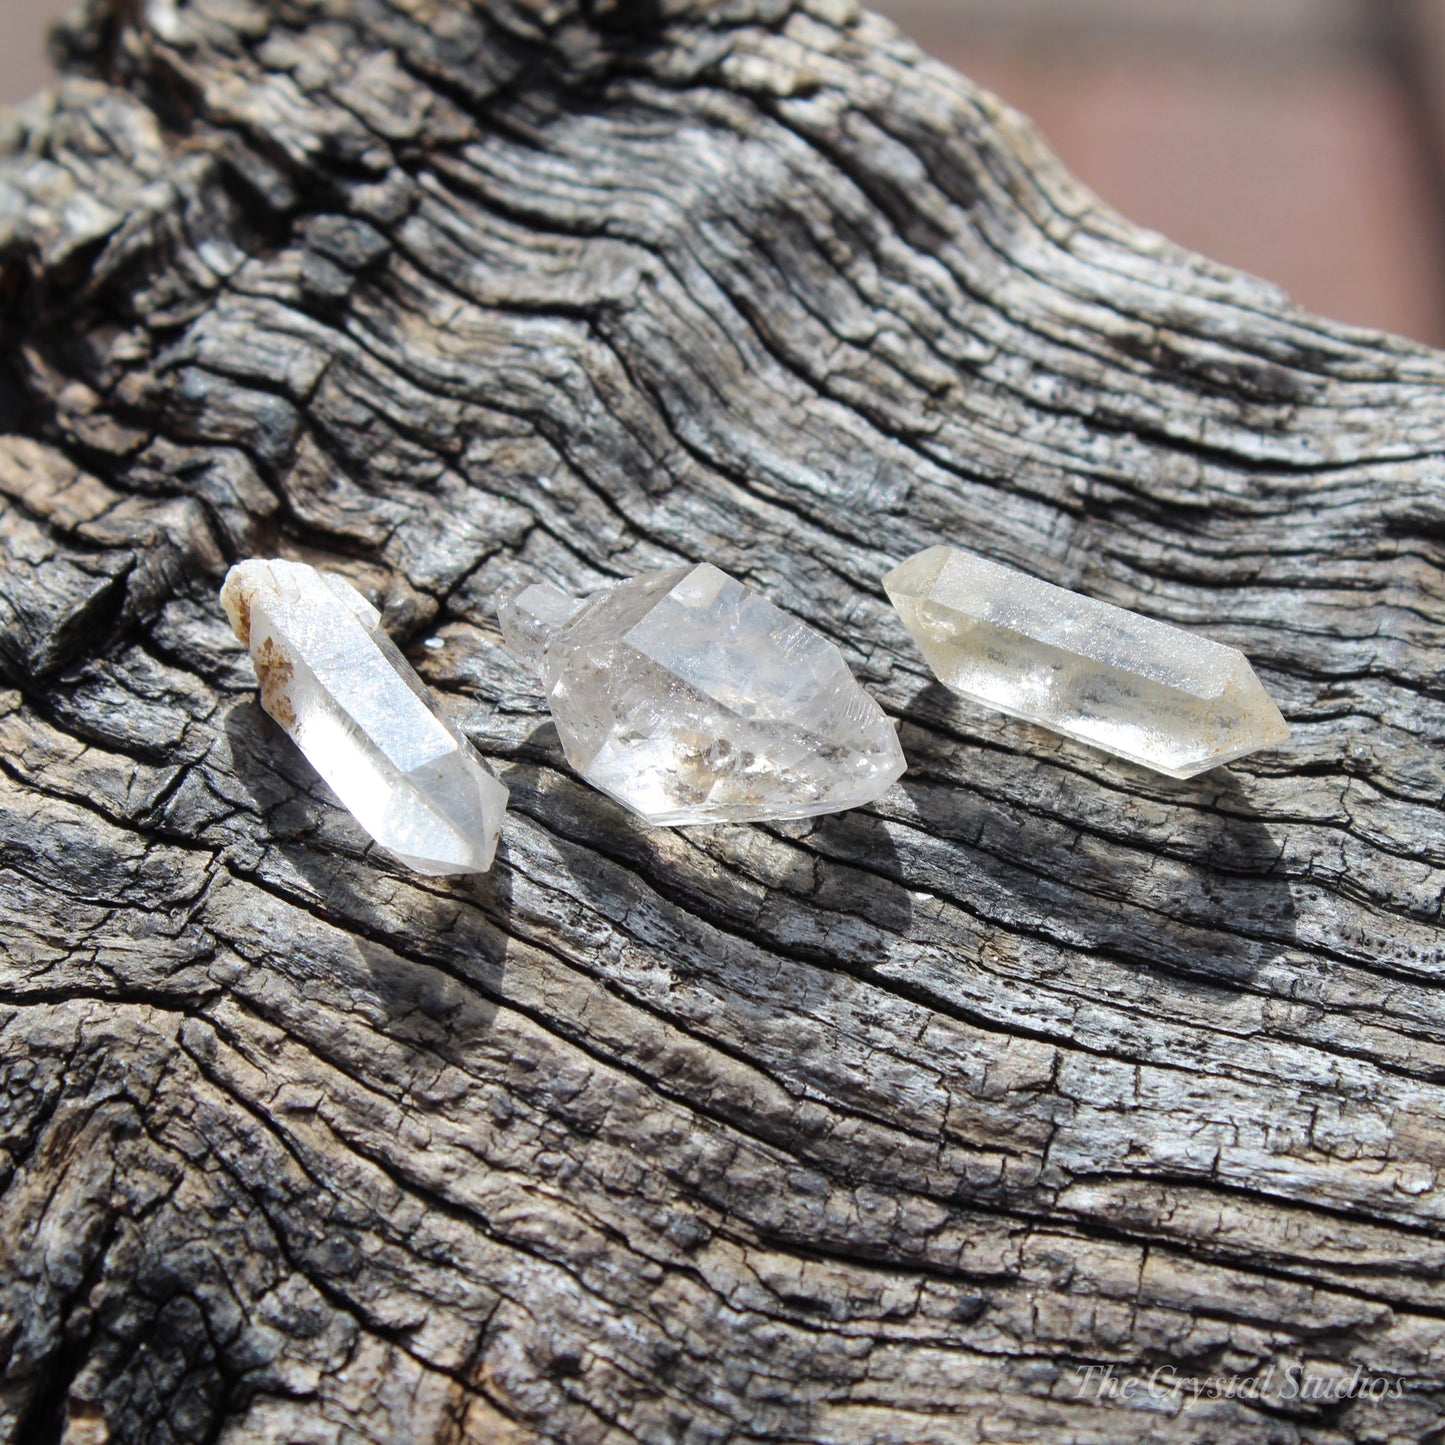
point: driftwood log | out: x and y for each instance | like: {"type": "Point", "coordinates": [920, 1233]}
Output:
{"type": "Point", "coordinates": [877, 1129]}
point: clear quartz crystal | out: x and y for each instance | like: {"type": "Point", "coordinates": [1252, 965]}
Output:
{"type": "Point", "coordinates": [366, 722]}
{"type": "Point", "coordinates": [1133, 686]}
{"type": "Point", "coordinates": [690, 698]}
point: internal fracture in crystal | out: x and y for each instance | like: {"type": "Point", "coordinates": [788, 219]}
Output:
{"type": "Point", "coordinates": [690, 698]}
{"type": "Point", "coordinates": [1131, 685]}
{"type": "Point", "coordinates": [333, 679]}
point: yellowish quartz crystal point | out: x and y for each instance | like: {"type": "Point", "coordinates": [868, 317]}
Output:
{"type": "Point", "coordinates": [1131, 685]}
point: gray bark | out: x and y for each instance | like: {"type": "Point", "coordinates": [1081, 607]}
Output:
{"type": "Point", "coordinates": [874, 1129]}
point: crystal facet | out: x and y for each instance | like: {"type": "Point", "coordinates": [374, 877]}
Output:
{"type": "Point", "coordinates": [1133, 686]}
{"type": "Point", "coordinates": [335, 682]}
{"type": "Point", "coordinates": [690, 698]}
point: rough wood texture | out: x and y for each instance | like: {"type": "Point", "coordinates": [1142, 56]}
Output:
{"type": "Point", "coordinates": [872, 1130]}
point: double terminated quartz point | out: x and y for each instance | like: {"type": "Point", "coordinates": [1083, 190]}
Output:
{"type": "Point", "coordinates": [690, 698]}
{"type": "Point", "coordinates": [1138, 688]}
{"type": "Point", "coordinates": [335, 682]}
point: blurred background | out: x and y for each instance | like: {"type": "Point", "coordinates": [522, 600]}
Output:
{"type": "Point", "coordinates": [1303, 140]}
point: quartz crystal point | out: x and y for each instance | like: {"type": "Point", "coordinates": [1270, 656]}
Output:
{"type": "Point", "coordinates": [1136, 687]}
{"type": "Point", "coordinates": [335, 682]}
{"type": "Point", "coordinates": [690, 698]}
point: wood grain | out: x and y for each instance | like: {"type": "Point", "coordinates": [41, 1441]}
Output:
{"type": "Point", "coordinates": [873, 1129]}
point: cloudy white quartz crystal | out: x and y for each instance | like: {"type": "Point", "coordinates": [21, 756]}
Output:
{"type": "Point", "coordinates": [690, 698]}
{"type": "Point", "coordinates": [1136, 687]}
{"type": "Point", "coordinates": [336, 683]}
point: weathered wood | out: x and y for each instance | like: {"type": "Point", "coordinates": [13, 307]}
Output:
{"type": "Point", "coordinates": [869, 1130]}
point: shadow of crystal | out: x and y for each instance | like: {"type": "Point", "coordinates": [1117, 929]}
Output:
{"type": "Point", "coordinates": [1180, 878]}
{"type": "Point", "coordinates": [859, 892]}
{"type": "Point", "coordinates": [418, 937]}
{"type": "Point", "coordinates": [831, 886]}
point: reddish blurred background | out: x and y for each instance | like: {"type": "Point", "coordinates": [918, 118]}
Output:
{"type": "Point", "coordinates": [1303, 140]}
